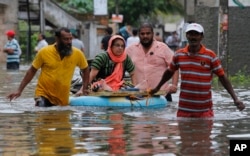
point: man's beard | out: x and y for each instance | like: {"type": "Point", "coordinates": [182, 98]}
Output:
{"type": "Point", "coordinates": [64, 49]}
{"type": "Point", "coordinates": [147, 44]}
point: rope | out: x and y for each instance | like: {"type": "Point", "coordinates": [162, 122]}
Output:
{"type": "Point", "coordinates": [136, 98]}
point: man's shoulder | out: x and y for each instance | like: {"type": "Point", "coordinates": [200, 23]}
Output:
{"type": "Point", "coordinates": [133, 46]}
{"type": "Point", "coordinates": [44, 42]}
{"type": "Point", "coordinates": [133, 49]}
{"type": "Point", "coordinates": [160, 45]}
{"type": "Point", "coordinates": [206, 51]}
{"type": "Point", "coordinates": [13, 42]}
{"type": "Point", "coordinates": [76, 41]}
{"type": "Point", "coordinates": [76, 50]}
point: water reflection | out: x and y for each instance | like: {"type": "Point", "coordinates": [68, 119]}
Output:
{"type": "Point", "coordinates": [15, 134]}
{"type": "Point", "coordinates": [52, 131]}
{"type": "Point", "coordinates": [198, 143]}
{"type": "Point", "coordinates": [28, 130]}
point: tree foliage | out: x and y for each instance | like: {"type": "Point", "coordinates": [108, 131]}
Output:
{"type": "Point", "coordinates": [133, 11]}
{"type": "Point", "coordinates": [136, 11]}
{"type": "Point", "coordinates": [77, 6]}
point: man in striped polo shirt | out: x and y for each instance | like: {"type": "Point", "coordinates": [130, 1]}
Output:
{"type": "Point", "coordinates": [197, 65]}
{"type": "Point", "coordinates": [12, 49]}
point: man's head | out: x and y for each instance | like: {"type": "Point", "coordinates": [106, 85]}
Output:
{"type": "Point", "coordinates": [10, 34]}
{"type": "Point", "coordinates": [194, 34]}
{"type": "Point", "coordinates": [109, 30]}
{"type": "Point", "coordinates": [146, 34]}
{"type": "Point", "coordinates": [63, 41]}
{"type": "Point", "coordinates": [41, 37]}
{"type": "Point", "coordinates": [134, 32]}
{"type": "Point", "coordinates": [195, 27]}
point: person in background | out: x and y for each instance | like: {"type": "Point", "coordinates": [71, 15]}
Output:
{"type": "Point", "coordinates": [108, 68]}
{"type": "Point", "coordinates": [125, 31]}
{"type": "Point", "coordinates": [105, 39]}
{"type": "Point", "coordinates": [173, 41]}
{"type": "Point", "coordinates": [57, 63]}
{"type": "Point", "coordinates": [41, 42]}
{"type": "Point", "coordinates": [151, 57]}
{"type": "Point", "coordinates": [183, 34]}
{"type": "Point", "coordinates": [158, 37]}
{"type": "Point", "coordinates": [77, 43]}
{"type": "Point", "coordinates": [134, 38]}
{"type": "Point", "coordinates": [13, 51]}
{"type": "Point", "coordinates": [197, 64]}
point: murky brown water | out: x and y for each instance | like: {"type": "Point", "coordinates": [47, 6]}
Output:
{"type": "Point", "coordinates": [79, 131]}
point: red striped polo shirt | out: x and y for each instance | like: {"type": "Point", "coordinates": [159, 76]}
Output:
{"type": "Point", "coordinates": [196, 78]}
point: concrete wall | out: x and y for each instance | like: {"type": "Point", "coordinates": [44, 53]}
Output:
{"type": "Point", "coordinates": [239, 39]}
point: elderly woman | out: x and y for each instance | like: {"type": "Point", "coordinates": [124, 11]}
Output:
{"type": "Point", "coordinates": [108, 68]}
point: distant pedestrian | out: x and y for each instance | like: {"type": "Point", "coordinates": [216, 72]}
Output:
{"type": "Point", "coordinates": [41, 42]}
{"type": "Point", "coordinates": [125, 31]}
{"type": "Point", "coordinates": [173, 41]}
{"type": "Point", "coordinates": [158, 37]}
{"type": "Point", "coordinates": [77, 43]}
{"type": "Point", "coordinates": [13, 51]}
{"type": "Point", "coordinates": [134, 38]}
{"type": "Point", "coordinates": [105, 39]}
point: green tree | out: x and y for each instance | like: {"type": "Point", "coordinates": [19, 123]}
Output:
{"type": "Point", "coordinates": [133, 11]}
{"type": "Point", "coordinates": [136, 11]}
{"type": "Point", "coordinates": [77, 6]}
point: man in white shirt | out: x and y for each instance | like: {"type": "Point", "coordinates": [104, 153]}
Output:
{"type": "Point", "coordinates": [41, 42]}
{"type": "Point", "coordinates": [173, 41]}
{"type": "Point", "coordinates": [134, 38]}
{"type": "Point", "coordinates": [77, 43]}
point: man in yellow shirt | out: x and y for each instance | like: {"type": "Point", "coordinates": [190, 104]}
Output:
{"type": "Point", "coordinates": [57, 63]}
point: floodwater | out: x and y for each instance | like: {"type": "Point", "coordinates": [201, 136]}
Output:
{"type": "Point", "coordinates": [80, 131]}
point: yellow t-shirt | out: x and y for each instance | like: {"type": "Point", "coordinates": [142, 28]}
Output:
{"type": "Point", "coordinates": [55, 78]}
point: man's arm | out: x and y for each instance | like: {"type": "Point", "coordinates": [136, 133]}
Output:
{"type": "Point", "coordinates": [85, 80]}
{"type": "Point", "coordinates": [8, 50]}
{"type": "Point", "coordinates": [27, 78]}
{"type": "Point", "coordinates": [132, 76]}
{"type": "Point", "coordinates": [166, 76]}
{"type": "Point", "coordinates": [175, 79]}
{"type": "Point", "coordinates": [228, 86]}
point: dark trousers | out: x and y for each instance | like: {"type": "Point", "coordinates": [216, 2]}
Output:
{"type": "Point", "coordinates": [43, 102]}
{"type": "Point", "coordinates": [169, 97]}
{"type": "Point", "coordinates": [12, 65]}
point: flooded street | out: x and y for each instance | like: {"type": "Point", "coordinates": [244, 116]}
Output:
{"type": "Point", "coordinates": [78, 131]}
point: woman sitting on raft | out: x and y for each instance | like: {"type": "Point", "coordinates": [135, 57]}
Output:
{"type": "Point", "coordinates": [108, 68]}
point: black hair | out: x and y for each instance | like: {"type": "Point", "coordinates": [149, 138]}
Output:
{"type": "Point", "coordinates": [146, 25]}
{"type": "Point", "coordinates": [109, 30]}
{"type": "Point", "coordinates": [43, 36]}
{"type": "Point", "coordinates": [58, 31]}
{"type": "Point", "coordinates": [134, 32]}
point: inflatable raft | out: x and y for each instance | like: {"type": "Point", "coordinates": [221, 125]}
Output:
{"type": "Point", "coordinates": [119, 100]}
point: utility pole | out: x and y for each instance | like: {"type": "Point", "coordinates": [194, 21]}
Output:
{"type": "Point", "coordinates": [117, 14]}
{"type": "Point", "coordinates": [28, 52]}
{"type": "Point", "coordinates": [223, 33]}
{"type": "Point", "coordinates": [42, 20]}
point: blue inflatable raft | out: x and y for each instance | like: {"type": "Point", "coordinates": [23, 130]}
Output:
{"type": "Point", "coordinates": [119, 101]}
